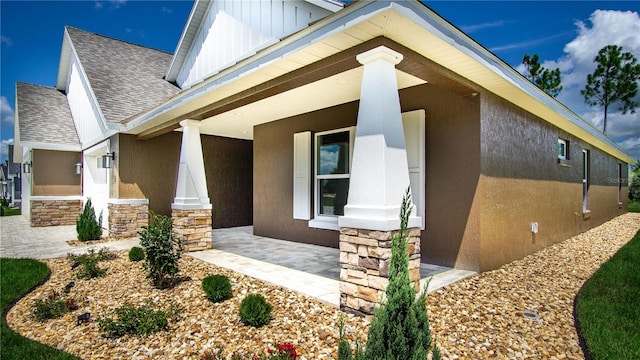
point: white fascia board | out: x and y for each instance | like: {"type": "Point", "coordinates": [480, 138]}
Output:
{"type": "Point", "coordinates": [191, 29]}
{"type": "Point", "coordinates": [326, 27]}
{"type": "Point", "coordinates": [98, 140]}
{"type": "Point", "coordinates": [330, 5]}
{"type": "Point", "coordinates": [50, 146]}
{"type": "Point", "coordinates": [427, 19]}
{"type": "Point", "coordinates": [65, 61]}
{"type": "Point", "coordinates": [17, 146]}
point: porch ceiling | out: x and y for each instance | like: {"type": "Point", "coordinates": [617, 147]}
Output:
{"type": "Point", "coordinates": [334, 90]}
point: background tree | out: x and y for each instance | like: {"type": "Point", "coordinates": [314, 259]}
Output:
{"type": "Point", "coordinates": [547, 80]}
{"type": "Point", "coordinates": [615, 80]}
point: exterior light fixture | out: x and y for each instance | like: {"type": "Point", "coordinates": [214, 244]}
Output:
{"type": "Point", "coordinates": [106, 161]}
{"type": "Point", "coordinates": [78, 168]}
{"type": "Point", "coordinates": [26, 167]}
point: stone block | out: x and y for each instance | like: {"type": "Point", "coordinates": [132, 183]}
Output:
{"type": "Point", "coordinates": [348, 288]}
{"type": "Point", "coordinates": [346, 246]}
{"type": "Point", "coordinates": [377, 282]}
{"type": "Point", "coordinates": [369, 263]}
{"type": "Point", "coordinates": [367, 293]}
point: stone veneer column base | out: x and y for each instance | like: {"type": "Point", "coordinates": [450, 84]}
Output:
{"type": "Point", "coordinates": [193, 227]}
{"type": "Point", "coordinates": [55, 212]}
{"type": "Point", "coordinates": [125, 220]}
{"type": "Point", "coordinates": [365, 256]}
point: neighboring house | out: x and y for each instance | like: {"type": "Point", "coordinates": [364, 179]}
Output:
{"type": "Point", "coordinates": [309, 120]}
{"type": "Point", "coordinates": [10, 179]}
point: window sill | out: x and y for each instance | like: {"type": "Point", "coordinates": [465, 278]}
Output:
{"type": "Point", "coordinates": [586, 214]}
{"type": "Point", "coordinates": [564, 162]}
{"type": "Point", "coordinates": [327, 223]}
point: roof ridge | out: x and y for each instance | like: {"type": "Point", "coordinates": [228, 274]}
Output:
{"type": "Point", "coordinates": [67, 27]}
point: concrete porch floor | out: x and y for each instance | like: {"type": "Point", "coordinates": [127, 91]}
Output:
{"type": "Point", "coordinates": [310, 269]}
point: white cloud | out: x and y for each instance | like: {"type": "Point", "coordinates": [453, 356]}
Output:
{"type": "Point", "coordinates": [488, 25]}
{"type": "Point", "coordinates": [6, 113]}
{"type": "Point", "coordinates": [167, 10]}
{"type": "Point", "coordinates": [5, 40]}
{"type": "Point", "coordinates": [604, 27]}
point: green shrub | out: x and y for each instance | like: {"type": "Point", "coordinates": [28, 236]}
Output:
{"type": "Point", "coordinates": [634, 187]}
{"type": "Point", "coordinates": [136, 254]}
{"type": "Point", "coordinates": [87, 227]}
{"type": "Point", "coordinates": [217, 287]}
{"type": "Point", "coordinates": [400, 328]}
{"type": "Point", "coordinates": [142, 320]}
{"type": "Point", "coordinates": [162, 249]}
{"type": "Point", "coordinates": [88, 263]}
{"type": "Point", "coordinates": [255, 310]}
{"type": "Point", "coordinates": [52, 307]}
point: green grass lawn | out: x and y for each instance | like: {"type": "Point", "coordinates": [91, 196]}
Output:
{"type": "Point", "coordinates": [634, 206]}
{"type": "Point", "coordinates": [7, 211]}
{"type": "Point", "coordinates": [17, 276]}
{"type": "Point", "coordinates": [609, 306]}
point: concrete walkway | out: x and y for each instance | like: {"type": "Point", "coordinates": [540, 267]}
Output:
{"type": "Point", "coordinates": [309, 269]}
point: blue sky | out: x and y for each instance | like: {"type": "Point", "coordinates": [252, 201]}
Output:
{"type": "Point", "coordinates": [566, 34]}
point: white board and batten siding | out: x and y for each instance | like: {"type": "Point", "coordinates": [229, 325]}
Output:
{"type": "Point", "coordinates": [85, 114]}
{"type": "Point", "coordinates": [233, 30]}
{"type": "Point", "coordinates": [414, 133]}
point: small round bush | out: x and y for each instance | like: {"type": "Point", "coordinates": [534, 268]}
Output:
{"type": "Point", "coordinates": [255, 310]}
{"type": "Point", "coordinates": [136, 254]}
{"type": "Point", "coordinates": [217, 287]}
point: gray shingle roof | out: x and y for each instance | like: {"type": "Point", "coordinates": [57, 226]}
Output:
{"type": "Point", "coordinates": [44, 115]}
{"type": "Point", "coordinates": [127, 79]}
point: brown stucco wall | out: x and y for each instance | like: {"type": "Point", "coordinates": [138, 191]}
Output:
{"type": "Point", "coordinates": [522, 183]}
{"type": "Point", "coordinates": [148, 169]}
{"type": "Point", "coordinates": [453, 166]}
{"type": "Point", "coordinates": [273, 174]}
{"type": "Point", "coordinates": [53, 173]}
{"type": "Point", "coordinates": [452, 144]}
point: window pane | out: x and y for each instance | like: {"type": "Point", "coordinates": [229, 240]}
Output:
{"type": "Point", "coordinates": [333, 196]}
{"type": "Point", "coordinates": [562, 151]}
{"type": "Point", "coordinates": [333, 153]}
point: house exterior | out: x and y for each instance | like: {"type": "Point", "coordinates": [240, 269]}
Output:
{"type": "Point", "coordinates": [309, 120]}
{"type": "Point", "coordinates": [10, 179]}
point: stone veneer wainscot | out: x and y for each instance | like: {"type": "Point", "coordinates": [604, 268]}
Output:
{"type": "Point", "coordinates": [55, 211]}
{"type": "Point", "coordinates": [127, 218]}
{"type": "Point", "coordinates": [365, 256]}
{"type": "Point", "coordinates": [193, 227]}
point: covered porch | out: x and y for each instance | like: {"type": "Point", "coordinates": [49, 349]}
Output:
{"type": "Point", "coordinates": [313, 270]}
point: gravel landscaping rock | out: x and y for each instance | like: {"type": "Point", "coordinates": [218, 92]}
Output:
{"type": "Point", "coordinates": [477, 318]}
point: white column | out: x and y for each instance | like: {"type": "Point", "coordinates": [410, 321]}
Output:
{"type": "Point", "coordinates": [380, 173]}
{"type": "Point", "coordinates": [191, 189]}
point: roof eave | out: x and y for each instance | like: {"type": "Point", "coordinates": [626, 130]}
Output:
{"type": "Point", "coordinates": [198, 11]}
{"type": "Point", "coordinates": [65, 59]}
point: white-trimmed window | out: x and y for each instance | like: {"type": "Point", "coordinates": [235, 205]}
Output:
{"type": "Point", "coordinates": [332, 170]}
{"type": "Point", "coordinates": [563, 149]}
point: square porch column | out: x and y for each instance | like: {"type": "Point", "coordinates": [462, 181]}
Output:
{"type": "Point", "coordinates": [379, 179]}
{"type": "Point", "coordinates": [191, 208]}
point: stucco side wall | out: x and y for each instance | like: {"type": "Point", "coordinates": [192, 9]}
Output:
{"type": "Point", "coordinates": [452, 144]}
{"type": "Point", "coordinates": [147, 169]}
{"type": "Point", "coordinates": [522, 183]}
{"type": "Point", "coordinates": [53, 173]}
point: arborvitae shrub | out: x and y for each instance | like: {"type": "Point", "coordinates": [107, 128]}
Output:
{"type": "Point", "coordinates": [399, 329]}
{"type": "Point", "coordinates": [162, 249]}
{"type": "Point", "coordinates": [87, 227]}
{"type": "Point", "coordinates": [217, 287]}
{"type": "Point", "coordinates": [136, 254]}
{"type": "Point", "coordinates": [255, 310]}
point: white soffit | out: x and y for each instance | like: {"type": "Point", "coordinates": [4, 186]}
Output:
{"type": "Point", "coordinates": [334, 90]}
